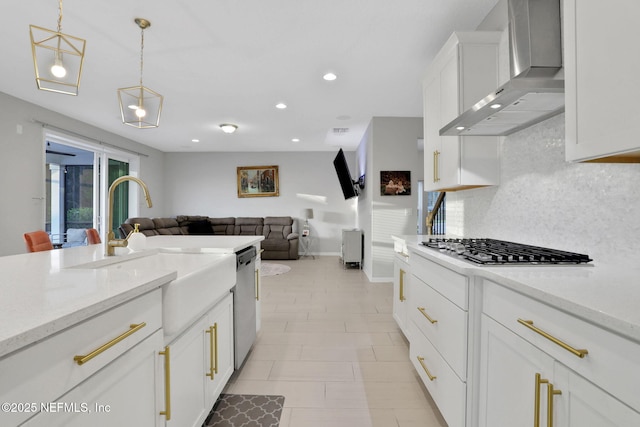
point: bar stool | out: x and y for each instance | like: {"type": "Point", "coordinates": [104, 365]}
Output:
{"type": "Point", "coordinates": [38, 241]}
{"type": "Point", "coordinates": [93, 237]}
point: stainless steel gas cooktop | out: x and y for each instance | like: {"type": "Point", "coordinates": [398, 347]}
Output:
{"type": "Point", "coordinates": [500, 252]}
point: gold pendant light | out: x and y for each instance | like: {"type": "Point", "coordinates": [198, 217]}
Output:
{"type": "Point", "coordinates": [57, 58]}
{"type": "Point", "coordinates": [140, 106]}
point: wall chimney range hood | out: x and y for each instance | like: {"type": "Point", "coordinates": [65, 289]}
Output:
{"type": "Point", "coordinates": [533, 94]}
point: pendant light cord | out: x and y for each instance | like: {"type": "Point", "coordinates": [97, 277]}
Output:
{"type": "Point", "coordinates": [60, 16]}
{"type": "Point", "coordinates": [141, 53]}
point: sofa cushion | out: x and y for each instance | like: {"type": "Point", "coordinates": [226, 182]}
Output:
{"type": "Point", "coordinates": [147, 226]}
{"type": "Point", "coordinates": [248, 226]}
{"type": "Point", "coordinates": [200, 228]}
{"type": "Point", "coordinates": [167, 226]}
{"type": "Point", "coordinates": [185, 220]}
{"type": "Point", "coordinates": [277, 227]}
{"type": "Point", "coordinates": [223, 226]}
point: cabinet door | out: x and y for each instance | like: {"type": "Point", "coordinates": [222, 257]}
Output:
{"type": "Point", "coordinates": [401, 277]}
{"type": "Point", "coordinates": [188, 377]}
{"type": "Point", "coordinates": [583, 404]}
{"type": "Point", "coordinates": [432, 145]}
{"type": "Point", "coordinates": [124, 393]}
{"type": "Point", "coordinates": [258, 294]}
{"type": "Point", "coordinates": [510, 395]}
{"type": "Point", "coordinates": [601, 79]}
{"type": "Point", "coordinates": [219, 349]}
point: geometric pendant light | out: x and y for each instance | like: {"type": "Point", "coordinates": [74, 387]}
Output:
{"type": "Point", "coordinates": [140, 106]}
{"type": "Point", "coordinates": [57, 58]}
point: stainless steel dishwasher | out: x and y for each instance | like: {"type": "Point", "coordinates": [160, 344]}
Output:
{"type": "Point", "coordinates": [244, 305]}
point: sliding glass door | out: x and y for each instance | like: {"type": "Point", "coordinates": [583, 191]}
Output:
{"type": "Point", "coordinates": [78, 175]}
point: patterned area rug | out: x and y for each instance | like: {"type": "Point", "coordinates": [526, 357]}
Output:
{"type": "Point", "coordinates": [245, 410]}
{"type": "Point", "coordinates": [270, 269]}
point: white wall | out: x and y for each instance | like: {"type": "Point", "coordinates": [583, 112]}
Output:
{"type": "Point", "coordinates": [390, 144]}
{"type": "Point", "coordinates": [22, 185]}
{"type": "Point", "coordinates": [590, 208]}
{"type": "Point", "coordinates": [206, 184]}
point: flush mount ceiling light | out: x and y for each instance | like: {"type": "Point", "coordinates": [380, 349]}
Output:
{"type": "Point", "coordinates": [57, 58]}
{"type": "Point", "coordinates": [228, 128]}
{"type": "Point", "coordinates": [140, 106]}
{"type": "Point", "coordinates": [281, 106]}
{"type": "Point", "coordinates": [330, 77]}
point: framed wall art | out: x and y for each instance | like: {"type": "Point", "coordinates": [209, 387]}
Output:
{"type": "Point", "coordinates": [395, 183]}
{"type": "Point", "coordinates": [258, 181]}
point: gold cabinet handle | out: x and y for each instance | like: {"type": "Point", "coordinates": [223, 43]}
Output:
{"type": "Point", "coordinates": [213, 350]}
{"type": "Point", "coordinates": [257, 285]}
{"type": "Point", "coordinates": [167, 382]}
{"type": "Point", "coordinates": [550, 393]}
{"type": "Point", "coordinates": [536, 409]}
{"type": "Point", "coordinates": [529, 324]}
{"type": "Point", "coordinates": [424, 313]}
{"type": "Point", "coordinates": [426, 370]}
{"type": "Point", "coordinates": [401, 296]}
{"type": "Point", "coordinates": [436, 171]}
{"type": "Point", "coordinates": [82, 359]}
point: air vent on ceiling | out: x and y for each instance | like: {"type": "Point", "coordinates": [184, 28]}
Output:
{"type": "Point", "coordinates": [340, 131]}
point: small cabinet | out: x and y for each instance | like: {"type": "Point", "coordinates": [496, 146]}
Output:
{"type": "Point", "coordinates": [352, 247]}
{"type": "Point", "coordinates": [401, 279]}
{"type": "Point", "coordinates": [198, 364]}
{"type": "Point", "coordinates": [464, 71]}
{"type": "Point", "coordinates": [601, 80]}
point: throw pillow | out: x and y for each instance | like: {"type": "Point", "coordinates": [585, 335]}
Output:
{"type": "Point", "coordinates": [200, 228]}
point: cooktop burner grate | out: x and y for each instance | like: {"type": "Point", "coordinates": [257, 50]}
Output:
{"type": "Point", "coordinates": [500, 252]}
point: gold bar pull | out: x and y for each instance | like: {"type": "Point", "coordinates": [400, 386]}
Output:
{"type": "Point", "coordinates": [536, 409]}
{"type": "Point", "coordinates": [424, 313]}
{"type": "Point", "coordinates": [167, 382]}
{"type": "Point", "coordinates": [80, 359]}
{"type": "Point", "coordinates": [550, 393]}
{"type": "Point", "coordinates": [529, 324]}
{"type": "Point", "coordinates": [401, 296]}
{"type": "Point", "coordinates": [257, 285]}
{"type": "Point", "coordinates": [426, 370]}
{"type": "Point", "coordinates": [213, 350]}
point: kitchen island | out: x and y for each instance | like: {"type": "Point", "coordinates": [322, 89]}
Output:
{"type": "Point", "coordinates": [484, 338]}
{"type": "Point", "coordinates": [80, 326]}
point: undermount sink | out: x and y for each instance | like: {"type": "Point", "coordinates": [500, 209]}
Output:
{"type": "Point", "coordinates": [202, 279]}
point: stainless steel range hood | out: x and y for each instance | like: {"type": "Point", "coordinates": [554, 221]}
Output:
{"type": "Point", "coordinates": [533, 94]}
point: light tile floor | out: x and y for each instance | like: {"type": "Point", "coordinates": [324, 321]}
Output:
{"type": "Point", "coordinates": [329, 344]}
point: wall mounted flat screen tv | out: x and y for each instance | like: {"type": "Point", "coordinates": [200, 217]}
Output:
{"type": "Point", "coordinates": [344, 176]}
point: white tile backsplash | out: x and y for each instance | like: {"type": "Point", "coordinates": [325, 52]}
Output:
{"type": "Point", "coordinates": [591, 208]}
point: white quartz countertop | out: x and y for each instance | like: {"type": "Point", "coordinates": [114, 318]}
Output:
{"type": "Point", "coordinates": [45, 292]}
{"type": "Point", "coordinates": [603, 294]}
{"type": "Point", "coordinates": [41, 295]}
{"type": "Point", "coordinates": [216, 244]}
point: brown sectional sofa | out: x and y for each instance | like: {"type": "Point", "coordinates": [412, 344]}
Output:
{"type": "Point", "coordinates": [280, 242]}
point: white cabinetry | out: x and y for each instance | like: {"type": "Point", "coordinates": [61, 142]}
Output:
{"type": "Point", "coordinates": [258, 291]}
{"type": "Point", "coordinates": [438, 331]}
{"type": "Point", "coordinates": [106, 360]}
{"type": "Point", "coordinates": [601, 80]}
{"type": "Point", "coordinates": [352, 247]}
{"type": "Point", "coordinates": [401, 280]}
{"type": "Point", "coordinates": [200, 364]}
{"type": "Point", "coordinates": [463, 72]}
{"type": "Point", "coordinates": [538, 363]}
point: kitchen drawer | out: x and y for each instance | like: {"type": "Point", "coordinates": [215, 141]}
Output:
{"type": "Point", "coordinates": [46, 370]}
{"type": "Point", "coordinates": [611, 362]}
{"type": "Point", "coordinates": [442, 322]}
{"type": "Point", "coordinates": [446, 389]}
{"type": "Point", "coordinates": [452, 285]}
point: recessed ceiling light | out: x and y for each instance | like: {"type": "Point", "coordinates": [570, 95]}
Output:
{"type": "Point", "coordinates": [281, 106]}
{"type": "Point", "coordinates": [460, 128]}
{"type": "Point", "coordinates": [195, 140]}
{"type": "Point", "coordinates": [496, 106]}
{"type": "Point", "coordinates": [228, 127]}
{"type": "Point", "coordinates": [295, 139]}
{"type": "Point", "coordinates": [330, 77]}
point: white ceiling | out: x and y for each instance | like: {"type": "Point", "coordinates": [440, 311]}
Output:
{"type": "Point", "coordinates": [231, 61]}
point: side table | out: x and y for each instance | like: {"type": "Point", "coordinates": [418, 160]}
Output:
{"type": "Point", "coordinates": [305, 243]}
